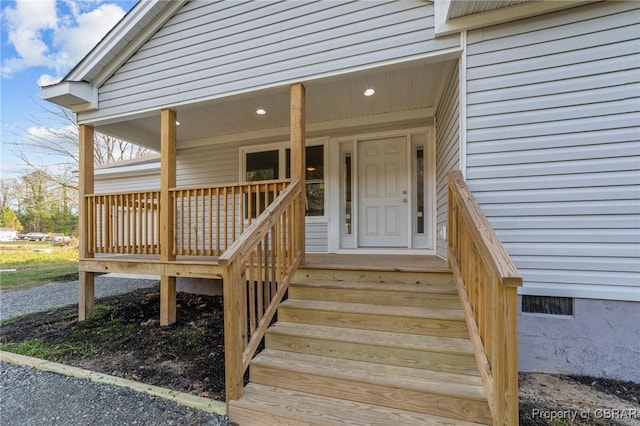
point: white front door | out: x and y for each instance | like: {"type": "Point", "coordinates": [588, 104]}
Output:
{"type": "Point", "coordinates": [383, 193]}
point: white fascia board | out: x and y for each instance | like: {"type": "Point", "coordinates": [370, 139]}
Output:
{"type": "Point", "coordinates": [444, 25]}
{"type": "Point", "coordinates": [74, 95]}
{"type": "Point", "coordinates": [441, 11]}
{"type": "Point", "coordinates": [118, 45]}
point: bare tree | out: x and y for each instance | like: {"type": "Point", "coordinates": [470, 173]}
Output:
{"type": "Point", "coordinates": [59, 139]}
{"type": "Point", "coordinates": [8, 192]}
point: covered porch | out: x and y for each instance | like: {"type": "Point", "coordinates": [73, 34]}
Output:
{"type": "Point", "coordinates": [197, 213]}
{"type": "Point", "coordinates": [251, 234]}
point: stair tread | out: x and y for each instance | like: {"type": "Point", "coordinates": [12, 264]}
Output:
{"type": "Point", "coordinates": [380, 310]}
{"type": "Point", "coordinates": [373, 337]}
{"type": "Point", "coordinates": [436, 382]}
{"type": "Point", "coordinates": [378, 286]}
{"type": "Point", "coordinates": [323, 410]}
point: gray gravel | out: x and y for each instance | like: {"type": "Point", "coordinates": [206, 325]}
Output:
{"type": "Point", "coordinates": [32, 397]}
{"type": "Point", "coordinates": [56, 295]}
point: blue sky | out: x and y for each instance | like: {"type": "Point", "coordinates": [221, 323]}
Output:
{"type": "Point", "coordinates": [41, 41]}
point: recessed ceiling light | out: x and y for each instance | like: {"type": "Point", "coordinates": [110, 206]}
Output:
{"type": "Point", "coordinates": [311, 169]}
{"type": "Point", "coordinates": [261, 111]}
{"type": "Point", "coordinates": [177, 123]}
{"type": "Point", "coordinates": [369, 92]}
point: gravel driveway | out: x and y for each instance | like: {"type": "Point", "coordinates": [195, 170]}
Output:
{"type": "Point", "coordinates": [32, 397]}
{"type": "Point", "coordinates": [56, 295]}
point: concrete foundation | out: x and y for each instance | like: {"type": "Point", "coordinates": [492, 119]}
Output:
{"type": "Point", "coordinates": [601, 339]}
{"type": "Point", "coordinates": [204, 286]}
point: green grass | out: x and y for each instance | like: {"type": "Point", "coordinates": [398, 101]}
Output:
{"type": "Point", "coordinates": [36, 263]}
{"type": "Point", "coordinates": [37, 349]}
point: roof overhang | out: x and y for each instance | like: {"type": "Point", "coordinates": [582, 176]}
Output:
{"type": "Point", "coordinates": [452, 16]}
{"type": "Point", "coordinates": [75, 95]}
{"type": "Point", "coordinates": [78, 89]}
{"type": "Point", "coordinates": [407, 94]}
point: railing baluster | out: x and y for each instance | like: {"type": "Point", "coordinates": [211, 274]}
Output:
{"type": "Point", "coordinates": [103, 224]}
{"type": "Point", "coordinates": [218, 221]}
{"type": "Point", "coordinates": [131, 224]}
{"type": "Point", "coordinates": [226, 220]}
{"type": "Point", "coordinates": [233, 213]}
{"type": "Point", "coordinates": [188, 223]}
{"type": "Point", "coordinates": [210, 245]}
{"type": "Point", "coordinates": [253, 284]}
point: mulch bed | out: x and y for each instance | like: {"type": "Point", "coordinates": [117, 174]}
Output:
{"type": "Point", "coordinates": [124, 339]}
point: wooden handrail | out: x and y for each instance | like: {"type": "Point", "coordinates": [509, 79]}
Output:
{"type": "Point", "coordinates": [487, 282]}
{"type": "Point", "coordinates": [236, 185]}
{"type": "Point", "coordinates": [257, 270]}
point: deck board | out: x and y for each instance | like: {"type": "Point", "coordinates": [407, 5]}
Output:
{"type": "Point", "coordinates": [207, 266]}
{"type": "Point", "coordinates": [376, 262]}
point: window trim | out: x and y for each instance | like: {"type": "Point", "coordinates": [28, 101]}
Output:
{"type": "Point", "coordinates": [282, 147]}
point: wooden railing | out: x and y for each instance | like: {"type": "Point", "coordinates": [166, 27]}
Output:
{"type": "Point", "coordinates": [125, 223]}
{"type": "Point", "coordinates": [257, 270]}
{"type": "Point", "coordinates": [208, 219]}
{"type": "Point", "coordinates": [487, 281]}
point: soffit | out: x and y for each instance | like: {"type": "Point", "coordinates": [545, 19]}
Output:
{"type": "Point", "coordinates": [460, 8]}
{"type": "Point", "coordinates": [400, 89]}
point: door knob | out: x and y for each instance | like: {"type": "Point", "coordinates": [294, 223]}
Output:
{"type": "Point", "coordinates": [404, 200]}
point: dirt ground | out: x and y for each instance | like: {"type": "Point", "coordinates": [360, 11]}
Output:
{"type": "Point", "coordinates": [124, 339]}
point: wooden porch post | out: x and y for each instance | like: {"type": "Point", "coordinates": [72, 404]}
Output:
{"type": "Point", "coordinates": [298, 160]}
{"type": "Point", "coordinates": [86, 288]}
{"type": "Point", "coordinates": [167, 181]}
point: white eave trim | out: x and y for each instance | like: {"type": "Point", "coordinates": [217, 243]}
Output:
{"type": "Point", "coordinates": [444, 25]}
{"type": "Point", "coordinates": [75, 95]}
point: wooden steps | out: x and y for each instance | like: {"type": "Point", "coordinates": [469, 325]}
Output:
{"type": "Point", "coordinates": [363, 348]}
{"type": "Point", "coordinates": [272, 406]}
{"type": "Point", "coordinates": [442, 296]}
{"type": "Point", "coordinates": [408, 350]}
{"type": "Point", "coordinates": [426, 321]}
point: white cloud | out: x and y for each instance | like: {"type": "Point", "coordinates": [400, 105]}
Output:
{"type": "Point", "coordinates": [43, 35]}
{"type": "Point", "coordinates": [63, 133]}
{"type": "Point", "coordinates": [26, 24]}
{"type": "Point", "coordinates": [76, 40]}
{"type": "Point", "coordinates": [47, 80]}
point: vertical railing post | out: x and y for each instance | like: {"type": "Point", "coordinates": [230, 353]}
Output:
{"type": "Point", "coordinates": [86, 291]}
{"type": "Point", "coordinates": [234, 328]}
{"type": "Point", "coordinates": [167, 181]}
{"type": "Point", "coordinates": [511, 409]}
{"type": "Point", "coordinates": [298, 160]}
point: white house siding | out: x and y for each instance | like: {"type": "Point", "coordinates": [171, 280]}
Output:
{"type": "Point", "coordinates": [208, 165]}
{"type": "Point", "coordinates": [210, 50]}
{"type": "Point", "coordinates": [447, 152]}
{"type": "Point", "coordinates": [553, 150]}
{"type": "Point", "coordinates": [127, 182]}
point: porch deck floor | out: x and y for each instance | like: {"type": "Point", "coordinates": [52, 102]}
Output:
{"type": "Point", "coordinates": [207, 266]}
{"type": "Point", "coordinates": [376, 262]}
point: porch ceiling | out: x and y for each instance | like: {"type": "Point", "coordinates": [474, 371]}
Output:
{"type": "Point", "coordinates": [406, 93]}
